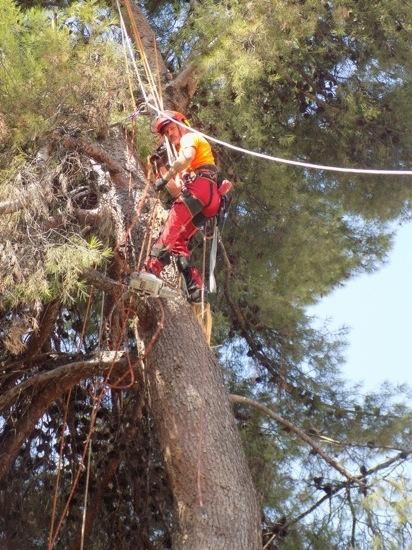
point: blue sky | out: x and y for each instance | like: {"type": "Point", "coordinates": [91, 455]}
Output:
{"type": "Point", "coordinates": [377, 308]}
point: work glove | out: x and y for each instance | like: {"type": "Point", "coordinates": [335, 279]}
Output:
{"type": "Point", "coordinates": [159, 184]}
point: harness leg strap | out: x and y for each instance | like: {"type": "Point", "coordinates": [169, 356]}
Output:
{"type": "Point", "coordinates": [194, 205]}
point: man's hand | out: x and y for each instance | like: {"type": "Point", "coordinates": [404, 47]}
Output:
{"type": "Point", "coordinates": [159, 184]}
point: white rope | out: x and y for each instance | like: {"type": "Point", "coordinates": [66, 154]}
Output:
{"type": "Point", "coordinates": [282, 160]}
{"type": "Point", "coordinates": [126, 41]}
{"type": "Point", "coordinates": [248, 151]}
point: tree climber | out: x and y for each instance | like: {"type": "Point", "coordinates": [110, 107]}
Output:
{"type": "Point", "coordinates": [198, 200]}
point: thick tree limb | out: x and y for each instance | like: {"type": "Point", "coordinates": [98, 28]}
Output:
{"type": "Point", "coordinates": [100, 281]}
{"type": "Point", "coordinates": [182, 88]}
{"type": "Point", "coordinates": [120, 177]}
{"type": "Point", "coordinates": [215, 500]}
{"type": "Point", "coordinates": [178, 91]}
{"type": "Point", "coordinates": [73, 371]}
{"type": "Point", "coordinates": [8, 207]}
{"type": "Point", "coordinates": [135, 20]}
{"type": "Point", "coordinates": [46, 324]}
{"type": "Point", "coordinates": [297, 431]}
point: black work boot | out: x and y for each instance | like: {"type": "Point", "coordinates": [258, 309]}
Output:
{"type": "Point", "coordinates": [193, 280]}
{"type": "Point", "coordinates": [194, 285]}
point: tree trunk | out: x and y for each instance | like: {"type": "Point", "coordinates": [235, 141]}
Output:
{"type": "Point", "coordinates": [215, 501]}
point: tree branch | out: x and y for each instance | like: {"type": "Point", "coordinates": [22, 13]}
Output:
{"type": "Point", "coordinates": [8, 207]}
{"type": "Point", "coordinates": [334, 490]}
{"type": "Point", "coordinates": [120, 177]}
{"type": "Point", "coordinates": [46, 324]}
{"type": "Point", "coordinates": [139, 28]}
{"type": "Point", "coordinates": [73, 371]}
{"type": "Point", "coordinates": [403, 455]}
{"type": "Point", "coordinates": [102, 282]}
{"type": "Point", "coordinates": [178, 91]}
{"type": "Point", "coordinates": [182, 88]}
{"type": "Point", "coordinates": [297, 431]}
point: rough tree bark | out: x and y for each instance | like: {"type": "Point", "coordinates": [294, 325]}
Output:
{"type": "Point", "coordinates": [215, 502]}
{"type": "Point", "coordinates": [178, 89]}
{"type": "Point", "coordinates": [214, 495]}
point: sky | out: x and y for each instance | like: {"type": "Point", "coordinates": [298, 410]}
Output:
{"type": "Point", "coordinates": [377, 308]}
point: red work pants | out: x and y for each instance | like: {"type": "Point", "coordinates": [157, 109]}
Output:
{"type": "Point", "coordinates": [179, 227]}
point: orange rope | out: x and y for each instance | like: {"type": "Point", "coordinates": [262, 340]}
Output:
{"type": "Point", "coordinates": [159, 84]}
{"type": "Point", "coordinates": [140, 47]}
{"type": "Point", "coordinates": [147, 236]}
{"type": "Point", "coordinates": [57, 483]}
{"type": "Point", "coordinates": [96, 406]}
{"type": "Point", "coordinates": [86, 318]}
{"type": "Point", "coordinates": [80, 469]}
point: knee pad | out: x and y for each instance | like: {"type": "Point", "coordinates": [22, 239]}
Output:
{"type": "Point", "coordinates": [161, 253]}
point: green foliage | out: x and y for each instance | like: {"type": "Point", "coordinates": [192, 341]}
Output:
{"type": "Point", "coordinates": [145, 141]}
{"type": "Point", "coordinates": [49, 77]}
{"type": "Point", "coordinates": [57, 275]}
{"type": "Point", "coordinates": [309, 81]}
{"type": "Point", "coordinates": [66, 262]}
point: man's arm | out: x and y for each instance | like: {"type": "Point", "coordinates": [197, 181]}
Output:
{"type": "Point", "coordinates": [183, 161]}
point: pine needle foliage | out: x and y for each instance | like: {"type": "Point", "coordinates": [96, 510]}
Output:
{"type": "Point", "coordinates": [52, 75]}
{"type": "Point", "coordinates": [324, 82]}
{"type": "Point", "coordinates": [66, 262]}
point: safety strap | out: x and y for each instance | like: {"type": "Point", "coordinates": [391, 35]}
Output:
{"type": "Point", "coordinates": [208, 171]}
{"type": "Point", "coordinates": [212, 258]}
{"type": "Point", "coordinates": [195, 205]}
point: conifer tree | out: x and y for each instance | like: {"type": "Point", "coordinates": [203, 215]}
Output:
{"type": "Point", "coordinates": [83, 360]}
